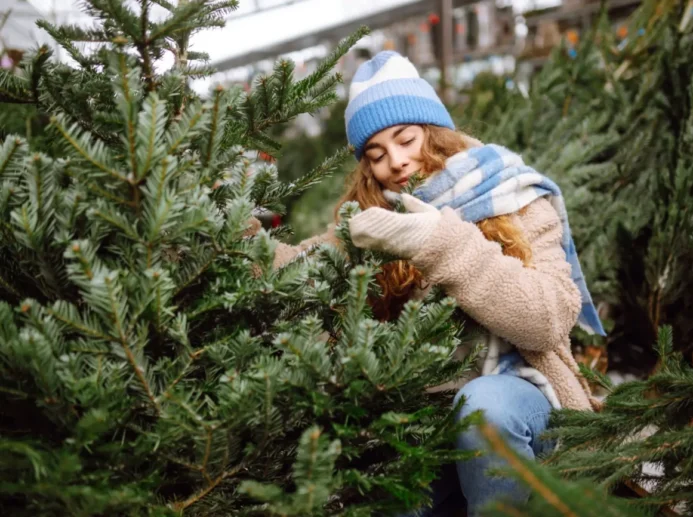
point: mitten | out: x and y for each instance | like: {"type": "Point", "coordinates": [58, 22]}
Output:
{"type": "Point", "coordinates": [402, 235]}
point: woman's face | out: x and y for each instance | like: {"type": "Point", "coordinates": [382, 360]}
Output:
{"type": "Point", "coordinates": [394, 155]}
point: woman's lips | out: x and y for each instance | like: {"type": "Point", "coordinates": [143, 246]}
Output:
{"type": "Point", "coordinates": [403, 181]}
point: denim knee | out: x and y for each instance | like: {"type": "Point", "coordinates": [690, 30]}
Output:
{"type": "Point", "coordinates": [478, 395]}
{"type": "Point", "coordinates": [484, 393]}
{"type": "Point", "coordinates": [509, 403]}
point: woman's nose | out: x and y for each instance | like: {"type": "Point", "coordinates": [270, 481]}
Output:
{"type": "Point", "coordinates": [398, 161]}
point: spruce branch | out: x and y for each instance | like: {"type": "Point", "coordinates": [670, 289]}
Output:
{"type": "Point", "coordinates": [14, 88]}
{"type": "Point", "coordinates": [109, 195]}
{"type": "Point", "coordinates": [283, 72]}
{"type": "Point", "coordinates": [116, 219]}
{"type": "Point", "coordinates": [193, 121]}
{"type": "Point", "coordinates": [195, 271]}
{"type": "Point", "coordinates": [94, 152]}
{"type": "Point", "coordinates": [11, 155]}
{"type": "Point", "coordinates": [143, 46]}
{"type": "Point", "coordinates": [126, 81]}
{"type": "Point", "coordinates": [165, 4]}
{"type": "Point", "coordinates": [117, 313]}
{"type": "Point", "coordinates": [65, 35]}
{"type": "Point", "coordinates": [36, 68]}
{"type": "Point", "coordinates": [169, 28]}
{"type": "Point", "coordinates": [533, 481]}
{"type": "Point", "coordinates": [182, 505]}
{"type": "Point", "coordinates": [151, 125]}
{"type": "Point", "coordinates": [193, 357]}
{"type": "Point", "coordinates": [216, 126]}
{"type": "Point", "coordinates": [69, 315]}
{"type": "Point", "coordinates": [115, 15]}
{"type": "Point", "coordinates": [324, 171]}
{"type": "Point", "coordinates": [327, 64]}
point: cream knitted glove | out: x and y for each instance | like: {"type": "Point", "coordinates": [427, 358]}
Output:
{"type": "Point", "coordinates": [401, 235]}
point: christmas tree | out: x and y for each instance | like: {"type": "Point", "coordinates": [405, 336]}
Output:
{"type": "Point", "coordinates": [152, 358]}
{"type": "Point", "coordinates": [643, 437]}
{"type": "Point", "coordinates": [641, 440]}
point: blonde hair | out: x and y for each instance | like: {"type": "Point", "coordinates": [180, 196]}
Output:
{"type": "Point", "coordinates": [398, 279]}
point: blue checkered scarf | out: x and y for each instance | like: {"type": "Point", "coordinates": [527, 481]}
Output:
{"type": "Point", "coordinates": [489, 181]}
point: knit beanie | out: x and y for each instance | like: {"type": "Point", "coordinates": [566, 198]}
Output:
{"type": "Point", "coordinates": [387, 91]}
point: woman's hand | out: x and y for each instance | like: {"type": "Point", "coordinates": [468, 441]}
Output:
{"type": "Point", "coordinates": [402, 235]}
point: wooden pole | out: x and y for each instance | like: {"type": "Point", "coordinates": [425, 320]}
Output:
{"type": "Point", "coordinates": [446, 25]}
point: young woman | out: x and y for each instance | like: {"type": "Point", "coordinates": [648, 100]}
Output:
{"type": "Point", "coordinates": [493, 233]}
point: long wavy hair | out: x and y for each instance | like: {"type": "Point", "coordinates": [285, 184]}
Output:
{"type": "Point", "coordinates": [400, 278]}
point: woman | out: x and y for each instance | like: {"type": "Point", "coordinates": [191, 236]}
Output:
{"type": "Point", "coordinates": [492, 232]}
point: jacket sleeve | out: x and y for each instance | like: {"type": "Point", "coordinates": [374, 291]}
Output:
{"type": "Point", "coordinates": [533, 307]}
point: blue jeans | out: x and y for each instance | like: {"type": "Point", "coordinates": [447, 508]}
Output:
{"type": "Point", "coordinates": [521, 413]}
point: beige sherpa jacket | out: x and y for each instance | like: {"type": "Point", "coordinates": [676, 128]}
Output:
{"type": "Point", "coordinates": [533, 308]}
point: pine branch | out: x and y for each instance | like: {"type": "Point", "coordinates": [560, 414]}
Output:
{"type": "Point", "coordinates": [553, 497]}
{"type": "Point", "coordinates": [115, 219]}
{"type": "Point", "coordinates": [126, 81]}
{"type": "Point", "coordinates": [14, 89]}
{"type": "Point", "coordinates": [182, 505]}
{"type": "Point", "coordinates": [324, 171]}
{"type": "Point", "coordinates": [117, 313]}
{"type": "Point", "coordinates": [36, 68]}
{"type": "Point", "coordinates": [12, 153]}
{"type": "Point", "coordinates": [78, 33]}
{"type": "Point", "coordinates": [92, 152]}
{"type": "Point", "coordinates": [192, 122]}
{"type": "Point", "coordinates": [176, 22]}
{"type": "Point", "coordinates": [216, 127]}
{"type": "Point", "coordinates": [283, 72]}
{"type": "Point", "coordinates": [69, 315]}
{"type": "Point", "coordinates": [326, 65]}
{"type": "Point", "coordinates": [150, 132]}
{"type": "Point", "coordinates": [198, 71]}
{"type": "Point", "coordinates": [114, 13]}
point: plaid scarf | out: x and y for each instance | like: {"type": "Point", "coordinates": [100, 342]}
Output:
{"type": "Point", "coordinates": [489, 181]}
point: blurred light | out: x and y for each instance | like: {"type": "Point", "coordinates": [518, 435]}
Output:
{"type": "Point", "coordinates": [521, 29]}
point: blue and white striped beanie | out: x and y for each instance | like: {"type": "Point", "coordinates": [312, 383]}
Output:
{"type": "Point", "coordinates": [387, 91]}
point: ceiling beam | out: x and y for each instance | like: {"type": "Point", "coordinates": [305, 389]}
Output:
{"type": "Point", "coordinates": [335, 33]}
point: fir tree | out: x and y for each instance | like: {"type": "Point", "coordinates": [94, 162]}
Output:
{"type": "Point", "coordinates": [642, 439]}
{"type": "Point", "coordinates": [152, 360]}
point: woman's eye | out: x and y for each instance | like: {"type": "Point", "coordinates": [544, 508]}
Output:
{"type": "Point", "coordinates": [408, 142]}
{"type": "Point", "coordinates": [376, 160]}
